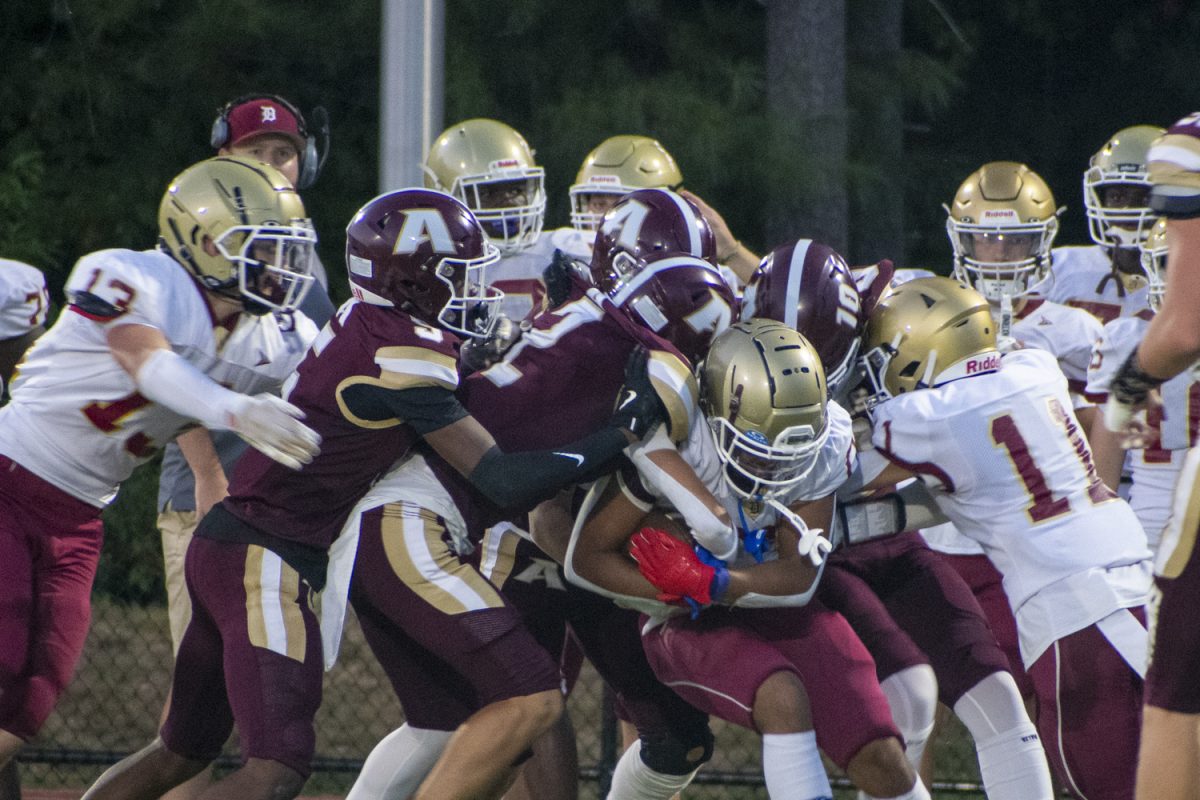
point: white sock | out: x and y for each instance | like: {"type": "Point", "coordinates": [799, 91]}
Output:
{"type": "Point", "coordinates": [792, 767]}
{"type": "Point", "coordinates": [1012, 762]}
{"type": "Point", "coordinates": [633, 780]}
{"type": "Point", "coordinates": [398, 764]}
{"type": "Point", "coordinates": [912, 697]}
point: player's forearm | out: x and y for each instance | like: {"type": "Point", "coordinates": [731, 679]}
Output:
{"type": "Point", "coordinates": [781, 578]}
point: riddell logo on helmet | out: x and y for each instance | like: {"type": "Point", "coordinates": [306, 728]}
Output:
{"type": "Point", "coordinates": [506, 163]}
{"type": "Point", "coordinates": [985, 364]}
{"type": "Point", "coordinates": [1000, 213]}
{"type": "Point", "coordinates": [606, 179]}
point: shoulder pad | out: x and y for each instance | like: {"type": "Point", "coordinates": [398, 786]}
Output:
{"type": "Point", "coordinates": [672, 378]}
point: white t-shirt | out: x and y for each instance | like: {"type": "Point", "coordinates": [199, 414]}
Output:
{"type": "Point", "coordinates": [76, 418]}
{"type": "Point", "coordinates": [1004, 459]}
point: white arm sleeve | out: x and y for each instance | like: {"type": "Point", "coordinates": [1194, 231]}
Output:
{"type": "Point", "coordinates": [717, 536]}
{"type": "Point", "coordinates": [166, 378]}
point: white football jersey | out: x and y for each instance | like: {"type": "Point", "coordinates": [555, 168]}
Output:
{"type": "Point", "coordinates": [1081, 277]}
{"type": "Point", "coordinates": [76, 418]}
{"type": "Point", "coordinates": [519, 275]}
{"type": "Point", "coordinates": [1005, 460]}
{"type": "Point", "coordinates": [1069, 335]}
{"type": "Point", "coordinates": [1066, 333]}
{"type": "Point", "coordinates": [23, 298]}
{"type": "Point", "coordinates": [830, 470]}
{"type": "Point", "coordinates": [1176, 423]}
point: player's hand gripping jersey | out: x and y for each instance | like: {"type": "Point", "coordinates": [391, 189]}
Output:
{"type": "Point", "coordinates": [77, 419]}
{"type": "Point", "coordinates": [1008, 465]}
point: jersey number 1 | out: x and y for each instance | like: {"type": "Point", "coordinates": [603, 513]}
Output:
{"type": "Point", "coordinates": [1045, 505]}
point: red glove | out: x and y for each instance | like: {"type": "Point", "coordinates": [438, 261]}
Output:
{"type": "Point", "coordinates": [675, 569]}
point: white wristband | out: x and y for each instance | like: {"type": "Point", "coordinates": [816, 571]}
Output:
{"type": "Point", "coordinates": [166, 378]}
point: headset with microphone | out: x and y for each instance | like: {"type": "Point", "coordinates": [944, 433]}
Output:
{"type": "Point", "coordinates": [310, 163]}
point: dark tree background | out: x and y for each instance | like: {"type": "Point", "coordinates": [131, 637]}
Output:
{"type": "Point", "coordinates": [102, 103]}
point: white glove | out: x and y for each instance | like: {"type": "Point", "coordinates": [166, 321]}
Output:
{"type": "Point", "coordinates": [272, 426]}
{"type": "Point", "coordinates": [1117, 415]}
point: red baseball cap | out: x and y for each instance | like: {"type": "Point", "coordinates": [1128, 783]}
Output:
{"type": "Point", "coordinates": [261, 115]}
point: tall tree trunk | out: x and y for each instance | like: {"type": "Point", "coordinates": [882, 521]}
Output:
{"type": "Point", "coordinates": [877, 136]}
{"type": "Point", "coordinates": [806, 100]}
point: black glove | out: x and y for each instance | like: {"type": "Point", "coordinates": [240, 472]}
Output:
{"type": "Point", "coordinates": [557, 278]}
{"type": "Point", "coordinates": [639, 408]}
{"type": "Point", "coordinates": [481, 353]}
{"type": "Point", "coordinates": [1131, 385]}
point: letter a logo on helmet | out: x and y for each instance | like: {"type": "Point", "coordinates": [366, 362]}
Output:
{"type": "Point", "coordinates": [423, 225]}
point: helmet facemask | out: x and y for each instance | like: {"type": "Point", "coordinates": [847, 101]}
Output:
{"type": "Point", "coordinates": [1122, 224]}
{"type": "Point", "coordinates": [512, 225]}
{"type": "Point", "coordinates": [473, 304]}
{"type": "Point", "coordinates": [1001, 260]}
{"type": "Point", "coordinates": [756, 469]}
{"type": "Point", "coordinates": [582, 217]}
{"type": "Point", "coordinates": [273, 263]}
{"type": "Point", "coordinates": [1153, 255]}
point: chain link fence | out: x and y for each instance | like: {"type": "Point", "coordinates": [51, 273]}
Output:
{"type": "Point", "coordinates": [115, 702]}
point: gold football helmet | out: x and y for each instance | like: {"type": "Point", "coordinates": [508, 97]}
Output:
{"type": "Point", "coordinates": [490, 167]}
{"type": "Point", "coordinates": [1001, 225]}
{"type": "Point", "coordinates": [618, 166]}
{"type": "Point", "coordinates": [763, 391]}
{"type": "Point", "coordinates": [1154, 261]}
{"type": "Point", "coordinates": [926, 332]}
{"type": "Point", "coordinates": [249, 214]}
{"type": "Point", "coordinates": [1116, 188]}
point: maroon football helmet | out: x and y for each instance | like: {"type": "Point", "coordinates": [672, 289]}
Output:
{"type": "Point", "coordinates": [643, 225]}
{"type": "Point", "coordinates": [807, 286]}
{"type": "Point", "coordinates": [423, 252]}
{"type": "Point", "coordinates": [682, 298]}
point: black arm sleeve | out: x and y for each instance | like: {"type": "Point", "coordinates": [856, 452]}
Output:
{"type": "Point", "coordinates": [521, 480]}
{"type": "Point", "coordinates": [426, 408]}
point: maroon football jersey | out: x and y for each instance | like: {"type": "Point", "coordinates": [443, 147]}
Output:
{"type": "Point", "coordinates": [559, 383]}
{"type": "Point", "coordinates": [362, 344]}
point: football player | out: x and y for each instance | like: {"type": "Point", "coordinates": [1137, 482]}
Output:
{"type": "Point", "coordinates": [626, 163]}
{"type": "Point", "coordinates": [1169, 765]}
{"type": "Point", "coordinates": [910, 608]}
{"type": "Point", "coordinates": [24, 303]}
{"type": "Point", "coordinates": [1001, 224]}
{"type": "Point", "coordinates": [995, 441]}
{"type": "Point", "coordinates": [378, 379]}
{"type": "Point", "coordinates": [766, 655]}
{"type": "Point", "coordinates": [1106, 279]}
{"type": "Point", "coordinates": [490, 167]}
{"type": "Point", "coordinates": [139, 354]}
{"type": "Point", "coordinates": [560, 377]}
{"type": "Point", "coordinates": [1169, 430]}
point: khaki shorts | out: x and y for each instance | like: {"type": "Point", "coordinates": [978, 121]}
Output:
{"type": "Point", "coordinates": [176, 528]}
